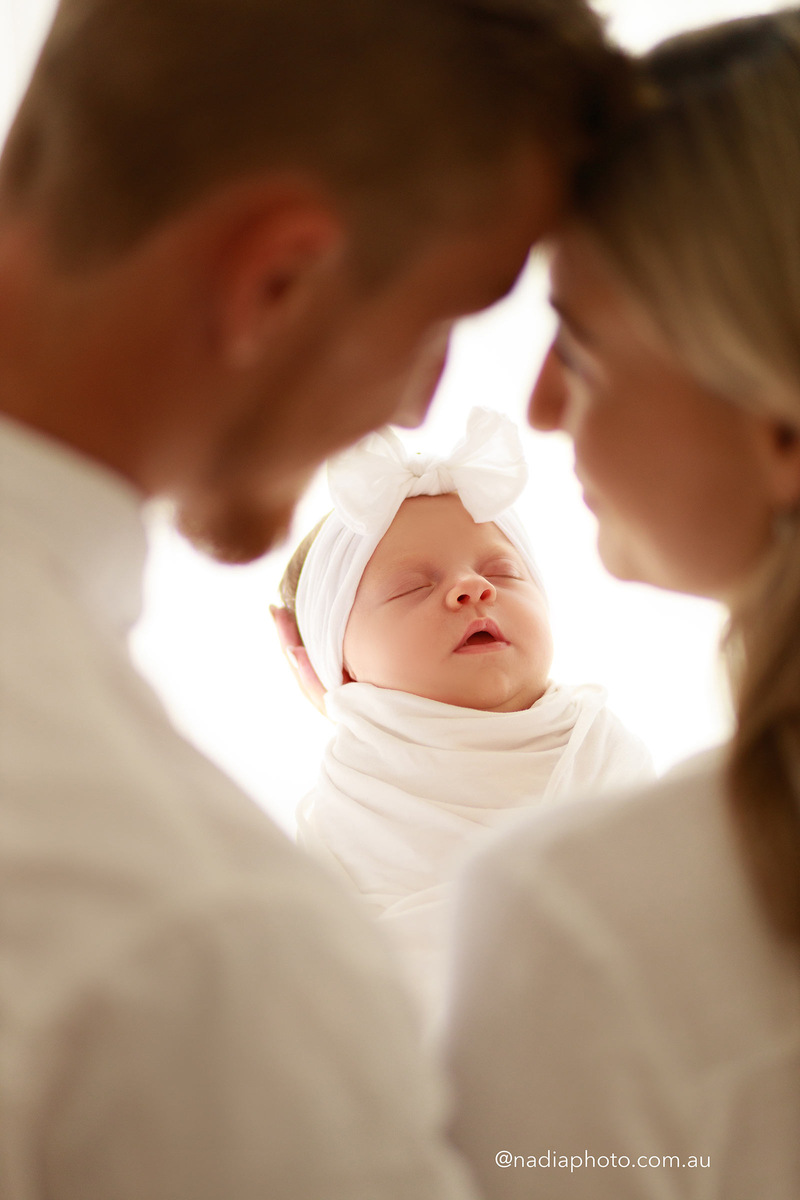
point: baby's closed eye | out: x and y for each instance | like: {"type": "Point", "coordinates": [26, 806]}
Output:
{"type": "Point", "coordinates": [503, 568]}
{"type": "Point", "coordinates": [408, 586]}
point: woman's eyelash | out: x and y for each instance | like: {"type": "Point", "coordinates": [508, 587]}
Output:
{"type": "Point", "coordinates": [566, 358]}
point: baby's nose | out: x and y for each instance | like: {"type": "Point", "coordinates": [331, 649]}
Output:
{"type": "Point", "coordinates": [471, 589]}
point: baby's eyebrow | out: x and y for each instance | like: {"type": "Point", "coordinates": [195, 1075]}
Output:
{"type": "Point", "coordinates": [501, 552]}
{"type": "Point", "coordinates": [397, 574]}
{"type": "Point", "coordinates": [407, 565]}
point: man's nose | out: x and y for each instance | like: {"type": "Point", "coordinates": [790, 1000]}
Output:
{"type": "Point", "coordinates": [471, 589]}
{"type": "Point", "coordinates": [549, 396]}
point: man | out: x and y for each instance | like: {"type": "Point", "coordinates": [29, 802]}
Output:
{"type": "Point", "coordinates": [228, 230]}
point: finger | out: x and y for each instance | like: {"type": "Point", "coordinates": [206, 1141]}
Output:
{"type": "Point", "coordinates": [286, 627]}
{"type": "Point", "coordinates": [307, 677]}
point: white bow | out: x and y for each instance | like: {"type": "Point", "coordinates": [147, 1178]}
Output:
{"type": "Point", "coordinates": [369, 482]}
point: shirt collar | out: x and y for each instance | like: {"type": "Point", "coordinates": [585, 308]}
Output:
{"type": "Point", "coordinates": [86, 519]}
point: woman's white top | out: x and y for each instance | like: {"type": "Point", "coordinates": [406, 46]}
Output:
{"type": "Point", "coordinates": [618, 992]}
{"type": "Point", "coordinates": [410, 787]}
{"type": "Point", "coordinates": [189, 1009]}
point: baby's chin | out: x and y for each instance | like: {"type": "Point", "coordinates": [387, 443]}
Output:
{"type": "Point", "coordinates": [481, 699]}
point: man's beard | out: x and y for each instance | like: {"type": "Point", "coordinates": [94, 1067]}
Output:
{"type": "Point", "coordinates": [235, 530]}
{"type": "Point", "coordinates": [244, 505]}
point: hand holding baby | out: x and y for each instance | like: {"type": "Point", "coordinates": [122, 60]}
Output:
{"type": "Point", "coordinates": [296, 655]}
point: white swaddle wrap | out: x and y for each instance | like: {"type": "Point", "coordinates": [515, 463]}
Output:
{"type": "Point", "coordinates": [410, 786]}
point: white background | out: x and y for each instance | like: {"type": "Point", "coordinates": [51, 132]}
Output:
{"type": "Point", "coordinates": [206, 639]}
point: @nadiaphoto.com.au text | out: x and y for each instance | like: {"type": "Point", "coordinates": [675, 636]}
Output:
{"type": "Point", "coordinates": [580, 1162]}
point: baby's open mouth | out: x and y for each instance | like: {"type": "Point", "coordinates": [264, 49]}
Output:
{"type": "Point", "coordinates": [481, 634]}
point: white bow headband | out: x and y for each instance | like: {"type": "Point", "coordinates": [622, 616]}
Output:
{"type": "Point", "coordinates": [368, 483]}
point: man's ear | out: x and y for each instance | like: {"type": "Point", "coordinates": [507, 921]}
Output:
{"type": "Point", "coordinates": [280, 245]}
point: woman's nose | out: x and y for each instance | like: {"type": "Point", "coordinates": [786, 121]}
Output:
{"type": "Point", "coordinates": [471, 589]}
{"type": "Point", "coordinates": [549, 396]}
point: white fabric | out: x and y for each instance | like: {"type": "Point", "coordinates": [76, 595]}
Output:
{"type": "Point", "coordinates": [409, 787]}
{"type": "Point", "coordinates": [190, 1009]}
{"type": "Point", "coordinates": [618, 991]}
{"type": "Point", "coordinates": [368, 483]}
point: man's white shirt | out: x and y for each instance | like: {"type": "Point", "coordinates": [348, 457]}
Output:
{"type": "Point", "coordinates": [189, 1008]}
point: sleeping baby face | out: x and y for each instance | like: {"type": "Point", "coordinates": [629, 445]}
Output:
{"type": "Point", "coordinates": [447, 609]}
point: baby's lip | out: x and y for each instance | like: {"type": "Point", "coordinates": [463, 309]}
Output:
{"type": "Point", "coordinates": [483, 626]}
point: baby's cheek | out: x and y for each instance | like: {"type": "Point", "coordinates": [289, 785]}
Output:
{"type": "Point", "coordinates": [538, 636]}
{"type": "Point", "coordinates": [383, 649]}
{"type": "Point", "coordinates": [543, 648]}
{"type": "Point", "coordinates": [393, 660]}
{"type": "Point", "coordinates": [361, 645]}
{"type": "Point", "coordinates": [405, 658]}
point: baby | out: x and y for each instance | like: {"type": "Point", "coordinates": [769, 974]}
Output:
{"type": "Point", "coordinates": [422, 612]}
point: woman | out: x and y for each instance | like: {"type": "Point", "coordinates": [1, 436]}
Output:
{"type": "Point", "coordinates": [626, 1006]}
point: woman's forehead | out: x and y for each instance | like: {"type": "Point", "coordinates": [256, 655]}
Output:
{"type": "Point", "coordinates": [580, 277]}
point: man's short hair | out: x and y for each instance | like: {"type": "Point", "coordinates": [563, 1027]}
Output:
{"type": "Point", "coordinates": [137, 107]}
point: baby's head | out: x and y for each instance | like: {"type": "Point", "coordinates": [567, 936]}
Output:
{"type": "Point", "coordinates": [425, 598]}
{"type": "Point", "coordinates": [448, 609]}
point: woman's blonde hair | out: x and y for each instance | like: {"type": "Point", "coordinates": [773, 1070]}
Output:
{"type": "Point", "coordinates": [697, 208]}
